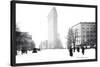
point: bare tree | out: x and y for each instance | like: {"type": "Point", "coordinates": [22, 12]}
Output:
{"type": "Point", "coordinates": [75, 35]}
{"type": "Point", "coordinates": [71, 38]}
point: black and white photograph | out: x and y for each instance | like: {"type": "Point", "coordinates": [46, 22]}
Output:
{"type": "Point", "coordinates": [49, 33]}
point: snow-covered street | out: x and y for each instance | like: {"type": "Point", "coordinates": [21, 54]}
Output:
{"type": "Point", "coordinates": [54, 55]}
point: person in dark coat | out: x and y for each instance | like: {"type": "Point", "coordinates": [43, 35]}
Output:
{"type": "Point", "coordinates": [78, 49]}
{"type": "Point", "coordinates": [83, 50]}
{"type": "Point", "coordinates": [23, 50]}
{"type": "Point", "coordinates": [34, 50]}
{"type": "Point", "coordinates": [70, 51]}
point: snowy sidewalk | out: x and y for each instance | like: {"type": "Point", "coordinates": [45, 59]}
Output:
{"type": "Point", "coordinates": [54, 55]}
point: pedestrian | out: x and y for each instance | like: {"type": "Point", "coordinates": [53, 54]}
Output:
{"type": "Point", "coordinates": [78, 49]}
{"type": "Point", "coordinates": [74, 49]}
{"type": "Point", "coordinates": [71, 52]}
{"type": "Point", "coordinates": [83, 50]}
{"type": "Point", "coordinates": [26, 51]}
{"type": "Point", "coordinates": [34, 50]}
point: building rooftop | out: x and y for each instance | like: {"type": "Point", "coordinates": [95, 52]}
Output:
{"type": "Point", "coordinates": [84, 23]}
{"type": "Point", "coordinates": [53, 12]}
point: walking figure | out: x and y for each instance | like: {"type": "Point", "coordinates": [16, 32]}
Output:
{"type": "Point", "coordinates": [23, 50]}
{"type": "Point", "coordinates": [83, 50]}
{"type": "Point", "coordinates": [34, 50]}
{"type": "Point", "coordinates": [78, 49]}
{"type": "Point", "coordinates": [74, 49]}
{"type": "Point", "coordinates": [71, 51]}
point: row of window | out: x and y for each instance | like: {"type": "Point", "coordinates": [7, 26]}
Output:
{"type": "Point", "coordinates": [79, 41]}
{"type": "Point", "coordinates": [90, 35]}
{"type": "Point", "coordinates": [88, 31]}
{"type": "Point", "coordinates": [93, 35]}
{"type": "Point", "coordinates": [83, 28]}
{"type": "Point", "coordinates": [89, 25]}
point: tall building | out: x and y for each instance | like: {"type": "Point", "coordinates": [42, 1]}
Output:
{"type": "Point", "coordinates": [53, 41]}
{"type": "Point", "coordinates": [85, 32]}
{"type": "Point", "coordinates": [52, 28]}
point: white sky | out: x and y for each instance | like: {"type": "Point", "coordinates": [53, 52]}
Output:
{"type": "Point", "coordinates": [33, 19]}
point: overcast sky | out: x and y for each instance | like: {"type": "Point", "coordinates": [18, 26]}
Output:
{"type": "Point", "coordinates": [34, 19]}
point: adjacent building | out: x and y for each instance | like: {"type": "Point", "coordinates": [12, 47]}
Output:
{"type": "Point", "coordinates": [85, 32]}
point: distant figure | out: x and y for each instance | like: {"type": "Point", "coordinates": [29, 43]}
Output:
{"type": "Point", "coordinates": [78, 49]}
{"type": "Point", "coordinates": [34, 50]}
{"type": "Point", "coordinates": [38, 49]}
{"type": "Point", "coordinates": [83, 50]}
{"type": "Point", "coordinates": [23, 50]}
{"type": "Point", "coordinates": [74, 49]}
{"type": "Point", "coordinates": [71, 51]}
